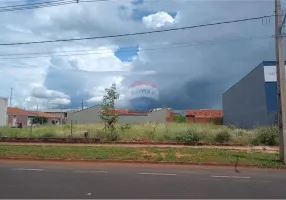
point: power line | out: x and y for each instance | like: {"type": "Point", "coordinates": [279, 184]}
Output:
{"type": "Point", "coordinates": [11, 2]}
{"type": "Point", "coordinates": [49, 4]}
{"type": "Point", "coordinates": [138, 33]}
{"type": "Point", "coordinates": [46, 4]}
{"type": "Point", "coordinates": [144, 49]}
{"type": "Point", "coordinates": [7, 2]}
{"type": "Point", "coordinates": [32, 4]}
{"type": "Point", "coordinates": [37, 6]}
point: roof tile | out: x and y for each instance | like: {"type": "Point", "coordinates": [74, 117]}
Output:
{"type": "Point", "coordinates": [42, 114]}
{"type": "Point", "coordinates": [18, 111]}
{"type": "Point", "coordinates": [208, 113]}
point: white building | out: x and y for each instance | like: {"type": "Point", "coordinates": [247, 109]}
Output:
{"type": "Point", "coordinates": [3, 111]}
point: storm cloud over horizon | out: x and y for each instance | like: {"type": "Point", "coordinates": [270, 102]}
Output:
{"type": "Point", "coordinates": [192, 67]}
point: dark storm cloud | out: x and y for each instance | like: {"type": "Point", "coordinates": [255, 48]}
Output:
{"type": "Point", "coordinates": [195, 94]}
{"type": "Point", "coordinates": [187, 78]}
{"type": "Point", "coordinates": [55, 80]}
{"type": "Point", "coordinates": [199, 75]}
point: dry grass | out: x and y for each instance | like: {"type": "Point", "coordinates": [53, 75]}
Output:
{"type": "Point", "coordinates": [146, 132]}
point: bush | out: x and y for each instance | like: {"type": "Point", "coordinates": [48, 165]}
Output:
{"type": "Point", "coordinates": [107, 136]}
{"type": "Point", "coordinates": [125, 127]}
{"type": "Point", "coordinates": [266, 136]}
{"type": "Point", "coordinates": [223, 136]}
{"type": "Point", "coordinates": [99, 134]}
{"type": "Point", "coordinates": [48, 135]}
{"type": "Point", "coordinates": [191, 137]}
{"type": "Point", "coordinates": [150, 134]}
{"type": "Point", "coordinates": [179, 119]}
{"type": "Point", "coordinates": [111, 137]}
{"type": "Point", "coordinates": [39, 120]}
{"type": "Point", "coordinates": [231, 127]}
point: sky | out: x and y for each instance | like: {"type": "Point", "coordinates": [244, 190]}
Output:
{"type": "Point", "coordinates": [192, 67]}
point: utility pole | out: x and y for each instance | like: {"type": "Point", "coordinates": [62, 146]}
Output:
{"type": "Point", "coordinates": [280, 67]}
{"type": "Point", "coordinates": [11, 96]}
{"type": "Point", "coordinates": [82, 104]}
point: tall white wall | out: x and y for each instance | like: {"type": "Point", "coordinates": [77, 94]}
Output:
{"type": "Point", "coordinates": [91, 116]}
{"type": "Point", "coordinates": [85, 116]}
{"type": "Point", "coordinates": [3, 111]}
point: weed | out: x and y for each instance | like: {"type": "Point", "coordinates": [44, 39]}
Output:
{"type": "Point", "coordinates": [192, 136]}
{"type": "Point", "coordinates": [125, 127]}
{"type": "Point", "coordinates": [48, 135]}
{"type": "Point", "coordinates": [266, 136]}
{"type": "Point", "coordinates": [114, 136]}
{"type": "Point", "coordinates": [223, 136]}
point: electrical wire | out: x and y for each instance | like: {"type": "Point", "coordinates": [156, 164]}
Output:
{"type": "Point", "coordinates": [11, 2]}
{"type": "Point", "coordinates": [166, 47]}
{"type": "Point", "coordinates": [46, 4]}
{"type": "Point", "coordinates": [39, 6]}
{"type": "Point", "coordinates": [133, 34]}
{"type": "Point", "coordinates": [34, 4]}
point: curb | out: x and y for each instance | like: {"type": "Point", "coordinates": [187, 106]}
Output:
{"type": "Point", "coordinates": [138, 162]}
{"type": "Point", "coordinates": [97, 141]}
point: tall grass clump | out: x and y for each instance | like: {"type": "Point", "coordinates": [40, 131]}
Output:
{"type": "Point", "coordinates": [192, 136]}
{"type": "Point", "coordinates": [6, 131]}
{"type": "Point", "coordinates": [223, 136]}
{"type": "Point", "coordinates": [266, 136]}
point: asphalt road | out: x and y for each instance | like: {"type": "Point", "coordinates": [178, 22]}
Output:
{"type": "Point", "coordinates": [41, 180]}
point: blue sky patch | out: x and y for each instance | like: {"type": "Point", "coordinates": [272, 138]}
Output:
{"type": "Point", "coordinates": [125, 54]}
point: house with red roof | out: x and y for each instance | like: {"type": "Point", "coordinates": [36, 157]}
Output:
{"type": "Point", "coordinates": [18, 116]}
{"type": "Point", "coordinates": [204, 116]}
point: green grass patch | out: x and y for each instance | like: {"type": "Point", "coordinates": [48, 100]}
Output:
{"type": "Point", "coordinates": [154, 154]}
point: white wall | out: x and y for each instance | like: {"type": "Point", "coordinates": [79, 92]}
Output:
{"type": "Point", "coordinates": [85, 116]}
{"type": "Point", "coordinates": [3, 111]}
{"type": "Point", "coordinates": [270, 74]}
{"type": "Point", "coordinates": [159, 116]}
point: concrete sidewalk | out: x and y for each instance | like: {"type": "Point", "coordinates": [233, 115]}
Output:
{"type": "Point", "coordinates": [245, 148]}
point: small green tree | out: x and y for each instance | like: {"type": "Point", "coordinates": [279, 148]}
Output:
{"type": "Point", "coordinates": [107, 112]}
{"type": "Point", "coordinates": [180, 119]}
{"type": "Point", "coordinates": [39, 120]}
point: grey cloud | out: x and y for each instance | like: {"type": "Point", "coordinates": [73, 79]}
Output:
{"type": "Point", "coordinates": [44, 93]}
{"type": "Point", "coordinates": [192, 77]}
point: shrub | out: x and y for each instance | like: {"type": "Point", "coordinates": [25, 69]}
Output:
{"type": "Point", "coordinates": [125, 127]}
{"type": "Point", "coordinates": [66, 126]}
{"type": "Point", "coordinates": [223, 136]}
{"type": "Point", "coordinates": [266, 136]}
{"type": "Point", "coordinates": [192, 136]}
{"type": "Point", "coordinates": [48, 135]}
{"type": "Point", "coordinates": [179, 119]}
{"type": "Point", "coordinates": [150, 134]}
{"type": "Point", "coordinates": [99, 133]}
{"type": "Point", "coordinates": [111, 137]}
{"type": "Point", "coordinates": [39, 120]}
{"type": "Point", "coordinates": [231, 127]}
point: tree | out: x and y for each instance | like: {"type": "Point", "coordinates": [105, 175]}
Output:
{"type": "Point", "coordinates": [179, 119]}
{"type": "Point", "coordinates": [39, 120]}
{"type": "Point", "coordinates": [107, 112]}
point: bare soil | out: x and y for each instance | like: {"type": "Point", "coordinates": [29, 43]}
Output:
{"type": "Point", "coordinates": [268, 149]}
